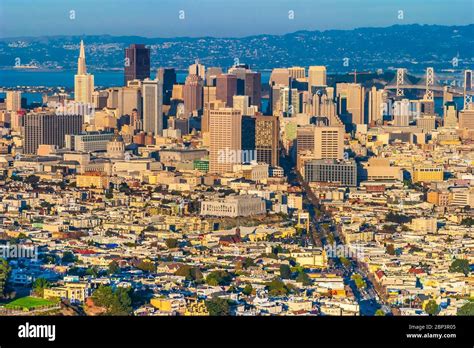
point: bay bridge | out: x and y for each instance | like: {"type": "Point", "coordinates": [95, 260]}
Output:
{"type": "Point", "coordinates": [430, 85]}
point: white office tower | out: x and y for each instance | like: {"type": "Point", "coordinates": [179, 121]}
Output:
{"type": "Point", "coordinates": [152, 92]}
{"type": "Point", "coordinates": [83, 82]}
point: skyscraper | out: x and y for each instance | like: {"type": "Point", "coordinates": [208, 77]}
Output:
{"type": "Point", "coordinates": [225, 138]}
{"type": "Point", "coordinates": [13, 102]}
{"type": "Point", "coordinates": [297, 72]}
{"type": "Point", "coordinates": [328, 142]}
{"type": "Point", "coordinates": [267, 132]}
{"type": "Point", "coordinates": [226, 88]}
{"type": "Point", "coordinates": [197, 69]}
{"type": "Point", "coordinates": [450, 115]}
{"type": "Point", "coordinates": [351, 99]}
{"type": "Point", "coordinates": [152, 92]}
{"type": "Point", "coordinates": [167, 77]}
{"type": "Point", "coordinates": [137, 63]}
{"type": "Point", "coordinates": [83, 82]}
{"type": "Point", "coordinates": [316, 77]}
{"type": "Point", "coordinates": [192, 93]}
{"type": "Point", "coordinates": [377, 99]}
{"type": "Point", "coordinates": [50, 129]}
{"type": "Point", "coordinates": [280, 76]}
{"type": "Point", "coordinates": [253, 88]}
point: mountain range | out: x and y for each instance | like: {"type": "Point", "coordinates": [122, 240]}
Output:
{"type": "Point", "coordinates": [411, 46]}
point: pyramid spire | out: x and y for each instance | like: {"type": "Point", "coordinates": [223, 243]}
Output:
{"type": "Point", "coordinates": [81, 61]}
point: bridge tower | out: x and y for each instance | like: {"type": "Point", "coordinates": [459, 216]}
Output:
{"type": "Point", "coordinates": [400, 81]}
{"type": "Point", "coordinates": [468, 83]}
{"type": "Point", "coordinates": [429, 83]}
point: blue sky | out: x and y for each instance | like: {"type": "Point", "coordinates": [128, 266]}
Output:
{"type": "Point", "coordinates": [221, 18]}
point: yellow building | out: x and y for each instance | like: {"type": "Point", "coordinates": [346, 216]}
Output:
{"type": "Point", "coordinates": [438, 198]}
{"type": "Point", "coordinates": [75, 292]}
{"type": "Point", "coordinates": [314, 258]}
{"type": "Point", "coordinates": [162, 304]}
{"type": "Point", "coordinates": [428, 173]}
{"type": "Point", "coordinates": [92, 180]}
{"type": "Point", "coordinates": [196, 308]}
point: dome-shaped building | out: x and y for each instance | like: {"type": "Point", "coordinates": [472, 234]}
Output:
{"type": "Point", "coordinates": [116, 147]}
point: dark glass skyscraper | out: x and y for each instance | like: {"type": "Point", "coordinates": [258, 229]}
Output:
{"type": "Point", "coordinates": [167, 76]}
{"type": "Point", "coordinates": [137, 63]}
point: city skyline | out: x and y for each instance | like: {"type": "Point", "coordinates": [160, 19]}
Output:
{"type": "Point", "coordinates": [306, 175]}
{"type": "Point", "coordinates": [233, 19]}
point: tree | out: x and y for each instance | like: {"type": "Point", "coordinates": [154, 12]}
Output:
{"type": "Point", "coordinates": [277, 288]}
{"type": "Point", "coordinates": [469, 221]}
{"type": "Point", "coordinates": [467, 309]}
{"type": "Point", "coordinates": [379, 313]}
{"type": "Point", "coordinates": [68, 257]}
{"type": "Point", "coordinates": [4, 274]}
{"type": "Point", "coordinates": [248, 262]}
{"type": "Point", "coordinates": [303, 278]}
{"type": "Point", "coordinates": [247, 289]}
{"type": "Point", "coordinates": [345, 261]}
{"type": "Point", "coordinates": [116, 302]}
{"type": "Point", "coordinates": [359, 281]}
{"type": "Point", "coordinates": [285, 272]}
{"type": "Point", "coordinates": [460, 266]}
{"type": "Point", "coordinates": [93, 271]}
{"type": "Point", "coordinates": [218, 307]}
{"type": "Point", "coordinates": [390, 249]}
{"type": "Point", "coordinates": [122, 303]}
{"type": "Point", "coordinates": [103, 296]}
{"type": "Point", "coordinates": [39, 285]}
{"type": "Point", "coordinates": [190, 273]}
{"type": "Point", "coordinates": [219, 278]}
{"type": "Point", "coordinates": [113, 267]}
{"type": "Point", "coordinates": [432, 307]}
{"type": "Point", "coordinates": [146, 266]}
{"type": "Point", "coordinates": [171, 243]}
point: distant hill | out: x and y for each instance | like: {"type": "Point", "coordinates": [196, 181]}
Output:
{"type": "Point", "coordinates": [410, 46]}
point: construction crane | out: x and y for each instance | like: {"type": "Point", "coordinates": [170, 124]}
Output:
{"type": "Point", "coordinates": [355, 73]}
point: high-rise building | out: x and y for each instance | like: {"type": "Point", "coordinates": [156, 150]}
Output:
{"type": "Point", "coordinates": [211, 75]}
{"type": "Point", "coordinates": [324, 142]}
{"type": "Point", "coordinates": [13, 101]}
{"type": "Point", "coordinates": [267, 132]}
{"type": "Point", "coordinates": [297, 73]}
{"type": "Point", "coordinates": [466, 119]}
{"type": "Point", "coordinates": [316, 77]}
{"type": "Point", "coordinates": [49, 129]}
{"type": "Point", "coordinates": [253, 88]}
{"type": "Point", "coordinates": [351, 99]}
{"type": "Point", "coordinates": [192, 93]}
{"type": "Point", "coordinates": [226, 88]}
{"type": "Point", "coordinates": [242, 103]}
{"type": "Point", "coordinates": [328, 142]}
{"type": "Point", "coordinates": [197, 69]}
{"type": "Point", "coordinates": [152, 106]}
{"type": "Point", "coordinates": [83, 82]}
{"type": "Point", "coordinates": [377, 99]}
{"type": "Point", "coordinates": [401, 113]}
{"type": "Point", "coordinates": [167, 77]}
{"type": "Point", "coordinates": [248, 133]}
{"type": "Point", "coordinates": [289, 102]}
{"type": "Point", "coordinates": [280, 76]}
{"type": "Point", "coordinates": [450, 115]}
{"type": "Point", "coordinates": [323, 105]}
{"type": "Point", "coordinates": [210, 104]}
{"type": "Point", "coordinates": [137, 63]}
{"type": "Point", "coordinates": [225, 138]}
